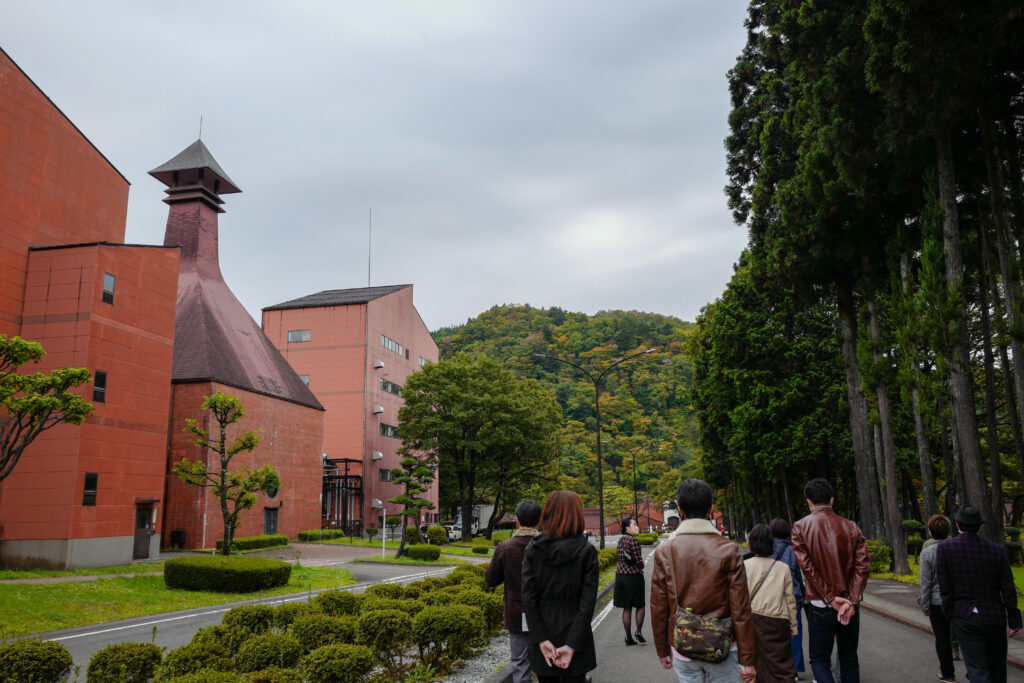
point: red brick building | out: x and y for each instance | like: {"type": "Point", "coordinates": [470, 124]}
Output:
{"type": "Point", "coordinates": [355, 348]}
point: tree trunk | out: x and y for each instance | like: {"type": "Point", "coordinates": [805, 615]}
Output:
{"type": "Point", "coordinates": [863, 460]}
{"type": "Point", "coordinates": [992, 427]}
{"type": "Point", "coordinates": [785, 493]}
{"type": "Point", "coordinates": [960, 382]}
{"type": "Point", "coordinates": [947, 459]}
{"type": "Point", "coordinates": [494, 516]}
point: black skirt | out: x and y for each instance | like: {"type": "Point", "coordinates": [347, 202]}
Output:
{"type": "Point", "coordinates": [629, 590]}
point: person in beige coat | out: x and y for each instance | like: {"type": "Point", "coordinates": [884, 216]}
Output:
{"type": "Point", "coordinates": [774, 606]}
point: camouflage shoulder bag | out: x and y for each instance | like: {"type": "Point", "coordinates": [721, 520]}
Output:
{"type": "Point", "coordinates": [694, 636]}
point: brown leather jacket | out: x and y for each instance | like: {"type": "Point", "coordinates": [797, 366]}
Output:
{"type": "Point", "coordinates": [711, 580]}
{"type": "Point", "coordinates": [832, 555]}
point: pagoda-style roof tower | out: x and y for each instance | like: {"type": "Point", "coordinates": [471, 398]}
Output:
{"type": "Point", "coordinates": [215, 339]}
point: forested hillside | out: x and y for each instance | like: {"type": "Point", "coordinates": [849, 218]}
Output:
{"type": "Point", "coordinates": [646, 411]}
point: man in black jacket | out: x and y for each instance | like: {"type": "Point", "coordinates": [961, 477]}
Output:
{"type": "Point", "coordinates": [507, 567]}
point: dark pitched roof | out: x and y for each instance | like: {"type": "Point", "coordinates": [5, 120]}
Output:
{"type": "Point", "coordinates": [192, 157]}
{"type": "Point", "coordinates": [338, 297]}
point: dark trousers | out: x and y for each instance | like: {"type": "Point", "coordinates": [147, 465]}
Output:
{"type": "Point", "coordinates": [561, 679]}
{"type": "Point", "coordinates": [983, 648]}
{"type": "Point", "coordinates": [824, 629]}
{"type": "Point", "coordinates": [943, 646]}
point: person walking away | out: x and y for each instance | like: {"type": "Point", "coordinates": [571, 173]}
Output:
{"type": "Point", "coordinates": [698, 573]}
{"type": "Point", "coordinates": [978, 595]}
{"type": "Point", "coordinates": [507, 567]}
{"type": "Point", "coordinates": [773, 606]}
{"type": "Point", "coordinates": [629, 580]}
{"type": "Point", "coordinates": [559, 593]}
{"type": "Point", "coordinates": [833, 557]}
{"type": "Point", "coordinates": [781, 533]}
{"type": "Point", "coordinates": [930, 599]}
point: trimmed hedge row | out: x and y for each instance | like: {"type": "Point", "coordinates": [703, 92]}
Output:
{"type": "Point", "coordinates": [255, 542]}
{"type": "Point", "coordinates": [34, 660]}
{"type": "Point", "coordinates": [422, 551]}
{"type": "Point", "coordinates": [607, 557]}
{"type": "Point", "coordinates": [225, 574]}
{"type": "Point", "coordinates": [646, 538]}
{"type": "Point", "coordinates": [321, 534]}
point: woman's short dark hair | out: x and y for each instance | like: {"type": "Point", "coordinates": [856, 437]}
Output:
{"type": "Point", "coordinates": [818, 491]}
{"type": "Point", "coordinates": [761, 541]}
{"type": "Point", "coordinates": [562, 515]}
{"type": "Point", "coordinates": [626, 521]}
{"type": "Point", "coordinates": [528, 513]}
{"type": "Point", "coordinates": [938, 527]}
{"type": "Point", "coordinates": [780, 528]}
{"type": "Point", "coordinates": [694, 498]}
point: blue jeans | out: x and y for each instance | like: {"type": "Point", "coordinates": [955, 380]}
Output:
{"type": "Point", "coordinates": [705, 672]}
{"type": "Point", "coordinates": [798, 641]}
{"type": "Point", "coordinates": [824, 630]}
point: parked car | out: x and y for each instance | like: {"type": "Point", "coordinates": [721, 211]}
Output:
{"type": "Point", "coordinates": [453, 535]}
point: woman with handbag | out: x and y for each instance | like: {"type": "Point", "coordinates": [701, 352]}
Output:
{"type": "Point", "coordinates": [629, 580]}
{"type": "Point", "coordinates": [559, 593]}
{"type": "Point", "coordinates": [774, 608]}
{"type": "Point", "coordinates": [782, 531]}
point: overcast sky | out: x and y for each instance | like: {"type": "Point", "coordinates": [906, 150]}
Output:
{"type": "Point", "coordinates": [555, 153]}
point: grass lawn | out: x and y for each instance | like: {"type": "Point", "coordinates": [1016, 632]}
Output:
{"type": "Point", "coordinates": [142, 568]}
{"type": "Point", "coordinates": [34, 608]}
{"type": "Point", "coordinates": [446, 549]}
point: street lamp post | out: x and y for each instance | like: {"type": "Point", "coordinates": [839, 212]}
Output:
{"type": "Point", "coordinates": [596, 380]}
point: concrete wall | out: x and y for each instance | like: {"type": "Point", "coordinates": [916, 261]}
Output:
{"type": "Point", "coordinates": [74, 553]}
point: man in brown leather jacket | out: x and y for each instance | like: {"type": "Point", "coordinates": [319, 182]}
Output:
{"type": "Point", "coordinates": [834, 559]}
{"type": "Point", "coordinates": [507, 567]}
{"type": "Point", "coordinates": [710, 580]}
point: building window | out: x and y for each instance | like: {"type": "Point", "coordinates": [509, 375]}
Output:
{"type": "Point", "coordinates": [392, 345]}
{"type": "Point", "coordinates": [108, 288]}
{"type": "Point", "coordinates": [389, 430]}
{"type": "Point", "coordinates": [89, 492]}
{"type": "Point", "coordinates": [270, 521]}
{"type": "Point", "coordinates": [305, 379]}
{"type": "Point", "coordinates": [386, 475]}
{"type": "Point", "coordinates": [299, 335]}
{"type": "Point", "coordinates": [99, 386]}
{"type": "Point", "coordinates": [390, 387]}
{"type": "Point", "coordinates": [423, 361]}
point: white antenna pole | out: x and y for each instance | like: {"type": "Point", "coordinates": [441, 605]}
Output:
{"type": "Point", "coordinates": [369, 248]}
{"type": "Point", "coordinates": [200, 126]}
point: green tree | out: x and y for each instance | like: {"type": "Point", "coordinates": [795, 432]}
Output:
{"type": "Point", "coordinates": [415, 473]}
{"type": "Point", "coordinates": [33, 403]}
{"type": "Point", "coordinates": [236, 490]}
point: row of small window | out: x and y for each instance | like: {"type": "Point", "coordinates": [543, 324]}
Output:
{"type": "Point", "coordinates": [390, 387]}
{"type": "Point", "coordinates": [389, 430]}
{"type": "Point", "coordinates": [297, 336]}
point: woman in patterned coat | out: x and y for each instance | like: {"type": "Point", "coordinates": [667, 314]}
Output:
{"type": "Point", "coordinates": [629, 580]}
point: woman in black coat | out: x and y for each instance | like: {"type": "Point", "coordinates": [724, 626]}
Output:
{"type": "Point", "coordinates": [559, 593]}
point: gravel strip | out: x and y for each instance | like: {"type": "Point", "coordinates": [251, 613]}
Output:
{"type": "Point", "coordinates": [484, 664]}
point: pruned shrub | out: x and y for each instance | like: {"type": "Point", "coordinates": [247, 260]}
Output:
{"type": "Point", "coordinates": [913, 526]}
{"type": "Point", "coordinates": [314, 535]}
{"type": "Point", "coordinates": [254, 619]}
{"type": "Point", "coordinates": [226, 574]}
{"type": "Point", "coordinates": [412, 535]}
{"type": "Point", "coordinates": [255, 542]}
{"type": "Point", "coordinates": [879, 556]}
{"type": "Point", "coordinates": [411, 592]}
{"type": "Point", "coordinates": [646, 538]}
{"type": "Point", "coordinates": [35, 661]}
{"type": "Point", "coordinates": [288, 612]}
{"type": "Point", "coordinates": [914, 546]}
{"type": "Point", "coordinates": [481, 550]}
{"type": "Point", "coordinates": [274, 675]}
{"type": "Point", "coordinates": [444, 631]}
{"type": "Point", "coordinates": [433, 582]}
{"type": "Point", "coordinates": [337, 603]}
{"type": "Point", "coordinates": [437, 535]}
{"type": "Point", "coordinates": [387, 633]}
{"type": "Point", "coordinates": [492, 605]}
{"type": "Point", "coordinates": [124, 663]}
{"type": "Point", "coordinates": [205, 676]}
{"type": "Point", "coordinates": [385, 590]}
{"type": "Point", "coordinates": [408, 606]}
{"type": "Point", "coordinates": [192, 658]}
{"type": "Point", "coordinates": [607, 557]}
{"type": "Point", "coordinates": [438, 597]}
{"type": "Point", "coordinates": [316, 630]}
{"type": "Point", "coordinates": [228, 638]}
{"type": "Point", "coordinates": [269, 649]}
{"type": "Point", "coordinates": [338, 664]}
{"type": "Point", "coordinates": [423, 552]}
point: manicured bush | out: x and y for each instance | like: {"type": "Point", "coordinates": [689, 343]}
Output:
{"type": "Point", "coordinates": [34, 660]}
{"type": "Point", "coordinates": [481, 550]}
{"type": "Point", "coordinates": [433, 582]}
{"type": "Point", "coordinates": [446, 630]}
{"type": "Point", "coordinates": [338, 603]}
{"type": "Point", "coordinates": [912, 526]}
{"type": "Point", "coordinates": [607, 557]}
{"type": "Point", "coordinates": [205, 676]}
{"type": "Point", "coordinates": [492, 605]}
{"type": "Point", "coordinates": [316, 630]}
{"type": "Point", "coordinates": [914, 546]}
{"type": "Point", "coordinates": [466, 581]}
{"type": "Point", "coordinates": [124, 663]}
{"type": "Point", "coordinates": [288, 612]}
{"type": "Point", "coordinates": [255, 542]}
{"type": "Point", "coordinates": [437, 535]}
{"type": "Point", "coordinates": [411, 592]}
{"type": "Point", "coordinates": [412, 535]}
{"type": "Point", "coordinates": [879, 556]}
{"type": "Point", "coordinates": [438, 597]}
{"type": "Point", "coordinates": [426, 553]}
{"type": "Point", "coordinates": [385, 590]}
{"type": "Point", "coordinates": [373, 603]}
{"type": "Point", "coordinates": [464, 572]}
{"type": "Point", "coordinates": [314, 535]}
{"type": "Point", "coordinates": [274, 675]}
{"type": "Point", "coordinates": [338, 664]}
{"type": "Point", "coordinates": [371, 530]}
{"type": "Point", "coordinates": [1013, 551]}
{"type": "Point", "coordinates": [192, 658]}
{"type": "Point", "coordinates": [225, 574]}
{"type": "Point", "coordinates": [269, 649]}
{"type": "Point", "coordinates": [254, 619]}
{"type": "Point", "coordinates": [387, 633]}
{"type": "Point", "coordinates": [227, 638]}
{"type": "Point", "coordinates": [646, 538]}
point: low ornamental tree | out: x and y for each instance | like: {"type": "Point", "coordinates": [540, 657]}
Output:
{"type": "Point", "coordinates": [236, 491]}
{"type": "Point", "coordinates": [31, 404]}
{"type": "Point", "coordinates": [415, 474]}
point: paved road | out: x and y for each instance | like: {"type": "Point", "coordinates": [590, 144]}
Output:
{"type": "Point", "coordinates": [890, 652]}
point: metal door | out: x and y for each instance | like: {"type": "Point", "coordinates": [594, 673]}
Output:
{"type": "Point", "coordinates": [143, 515]}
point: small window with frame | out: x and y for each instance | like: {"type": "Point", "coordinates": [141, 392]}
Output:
{"type": "Point", "coordinates": [99, 386]}
{"type": "Point", "coordinates": [109, 281]}
{"type": "Point", "coordinates": [299, 336]}
{"type": "Point", "coordinates": [89, 491]}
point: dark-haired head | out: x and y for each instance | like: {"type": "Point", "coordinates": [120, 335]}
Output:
{"type": "Point", "coordinates": [818, 491]}
{"type": "Point", "coordinates": [694, 498]}
{"type": "Point", "coordinates": [528, 513]}
{"type": "Point", "coordinates": [938, 527]}
{"type": "Point", "coordinates": [761, 541]}
{"type": "Point", "coordinates": [562, 515]}
{"type": "Point", "coordinates": [780, 528]}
